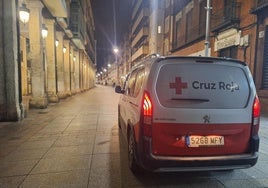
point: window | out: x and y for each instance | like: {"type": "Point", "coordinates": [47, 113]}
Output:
{"type": "Point", "coordinates": [189, 26]}
{"type": "Point", "coordinates": [228, 8]}
{"type": "Point", "coordinates": [177, 32]}
{"type": "Point", "coordinates": [230, 52]}
{"type": "Point", "coordinates": [131, 83]}
{"type": "Point", "coordinates": [202, 18]}
{"type": "Point", "coordinates": [134, 82]}
{"type": "Point", "coordinates": [265, 61]}
{"type": "Point", "coordinates": [167, 24]}
{"type": "Point", "coordinates": [139, 81]}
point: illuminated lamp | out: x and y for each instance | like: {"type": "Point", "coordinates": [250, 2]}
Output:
{"type": "Point", "coordinates": [24, 13]}
{"type": "Point", "coordinates": [44, 31]}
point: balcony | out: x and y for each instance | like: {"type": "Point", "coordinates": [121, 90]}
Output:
{"type": "Point", "coordinates": [57, 8]}
{"type": "Point", "coordinates": [226, 17]}
{"type": "Point", "coordinates": [143, 15]}
{"type": "Point", "coordinates": [141, 52]}
{"type": "Point", "coordinates": [144, 32]}
{"type": "Point", "coordinates": [77, 25]}
{"type": "Point", "coordinates": [260, 6]}
{"type": "Point", "coordinates": [136, 8]}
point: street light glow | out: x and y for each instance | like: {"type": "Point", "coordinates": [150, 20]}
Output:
{"type": "Point", "coordinates": [56, 42]}
{"type": "Point", "coordinates": [24, 13]}
{"type": "Point", "coordinates": [116, 50]}
{"type": "Point", "coordinates": [44, 31]}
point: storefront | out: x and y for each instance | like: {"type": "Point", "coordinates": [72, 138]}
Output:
{"type": "Point", "coordinates": [261, 63]}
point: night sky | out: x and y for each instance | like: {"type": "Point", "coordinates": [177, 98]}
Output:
{"type": "Point", "coordinates": [110, 27]}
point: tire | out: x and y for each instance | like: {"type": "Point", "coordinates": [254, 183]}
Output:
{"type": "Point", "coordinates": [132, 154]}
{"type": "Point", "coordinates": [118, 116]}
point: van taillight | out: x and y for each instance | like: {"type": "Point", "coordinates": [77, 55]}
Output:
{"type": "Point", "coordinates": [147, 115]}
{"type": "Point", "coordinates": [256, 111]}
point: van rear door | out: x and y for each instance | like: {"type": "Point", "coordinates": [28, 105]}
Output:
{"type": "Point", "coordinates": [202, 109]}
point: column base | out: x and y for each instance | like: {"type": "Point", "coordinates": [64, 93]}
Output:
{"type": "Point", "coordinates": [64, 94]}
{"type": "Point", "coordinates": [38, 102]}
{"type": "Point", "coordinates": [25, 104]}
{"type": "Point", "coordinates": [10, 114]}
{"type": "Point", "coordinates": [53, 98]}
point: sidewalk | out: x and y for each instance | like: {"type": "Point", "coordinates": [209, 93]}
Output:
{"type": "Point", "coordinates": [76, 143]}
{"type": "Point", "coordinates": [54, 147]}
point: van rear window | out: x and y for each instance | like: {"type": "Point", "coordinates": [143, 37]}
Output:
{"type": "Point", "coordinates": [210, 86]}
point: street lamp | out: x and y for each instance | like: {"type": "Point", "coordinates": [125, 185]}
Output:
{"type": "Point", "coordinates": [44, 31]}
{"type": "Point", "coordinates": [116, 51]}
{"type": "Point", "coordinates": [24, 13]}
{"type": "Point", "coordinates": [56, 42]}
{"type": "Point", "coordinates": [64, 49]}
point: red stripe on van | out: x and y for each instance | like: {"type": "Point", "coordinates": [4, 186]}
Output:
{"type": "Point", "coordinates": [170, 139]}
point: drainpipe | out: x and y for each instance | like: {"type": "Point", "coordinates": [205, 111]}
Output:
{"type": "Point", "coordinates": [207, 43]}
{"type": "Point", "coordinates": [256, 51]}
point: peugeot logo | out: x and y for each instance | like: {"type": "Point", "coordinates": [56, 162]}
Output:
{"type": "Point", "coordinates": [206, 119]}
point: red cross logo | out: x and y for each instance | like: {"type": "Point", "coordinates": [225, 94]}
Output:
{"type": "Point", "coordinates": [178, 85]}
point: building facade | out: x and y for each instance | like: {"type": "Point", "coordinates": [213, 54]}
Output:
{"type": "Point", "coordinates": [147, 22]}
{"type": "Point", "coordinates": [236, 29]}
{"type": "Point", "coordinates": [260, 9]}
{"type": "Point", "coordinates": [51, 53]}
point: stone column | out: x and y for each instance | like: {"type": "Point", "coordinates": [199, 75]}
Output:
{"type": "Point", "coordinates": [80, 69]}
{"type": "Point", "coordinates": [72, 86]}
{"type": "Point", "coordinates": [66, 58]}
{"type": "Point", "coordinates": [60, 66]}
{"type": "Point", "coordinates": [76, 70]}
{"type": "Point", "coordinates": [36, 56]}
{"type": "Point", "coordinates": [51, 61]}
{"type": "Point", "coordinates": [10, 107]}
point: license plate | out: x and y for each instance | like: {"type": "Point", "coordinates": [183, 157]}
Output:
{"type": "Point", "coordinates": [204, 141]}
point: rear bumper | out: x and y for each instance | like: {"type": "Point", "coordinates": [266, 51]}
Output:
{"type": "Point", "coordinates": [204, 163]}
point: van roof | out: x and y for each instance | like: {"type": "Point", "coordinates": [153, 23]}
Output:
{"type": "Point", "coordinates": [202, 59]}
{"type": "Point", "coordinates": [198, 59]}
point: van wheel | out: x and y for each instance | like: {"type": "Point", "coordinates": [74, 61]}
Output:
{"type": "Point", "coordinates": [118, 116]}
{"type": "Point", "coordinates": [132, 159]}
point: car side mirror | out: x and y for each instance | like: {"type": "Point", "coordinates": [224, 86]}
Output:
{"type": "Point", "coordinates": [118, 89]}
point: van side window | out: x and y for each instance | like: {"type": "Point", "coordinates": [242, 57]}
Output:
{"type": "Point", "coordinates": [125, 83]}
{"type": "Point", "coordinates": [131, 83]}
{"type": "Point", "coordinates": [134, 82]}
{"type": "Point", "coordinates": [139, 81]}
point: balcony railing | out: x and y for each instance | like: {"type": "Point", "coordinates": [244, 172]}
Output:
{"type": "Point", "coordinates": [142, 33]}
{"type": "Point", "coordinates": [262, 2]}
{"type": "Point", "coordinates": [228, 16]}
{"type": "Point", "coordinates": [144, 14]}
{"type": "Point", "coordinates": [141, 52]}
{"type": "Point", "coordinates": [77, 24]}
{"type": "Point", "coordinates": [260, 5]}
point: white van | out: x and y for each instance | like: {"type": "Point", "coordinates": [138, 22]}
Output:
{"type": "Point", "coordinates": [190, 114]}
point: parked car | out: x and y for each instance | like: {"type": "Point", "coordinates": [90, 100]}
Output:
{"type": "Point", "coordinates": [189, 114]}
